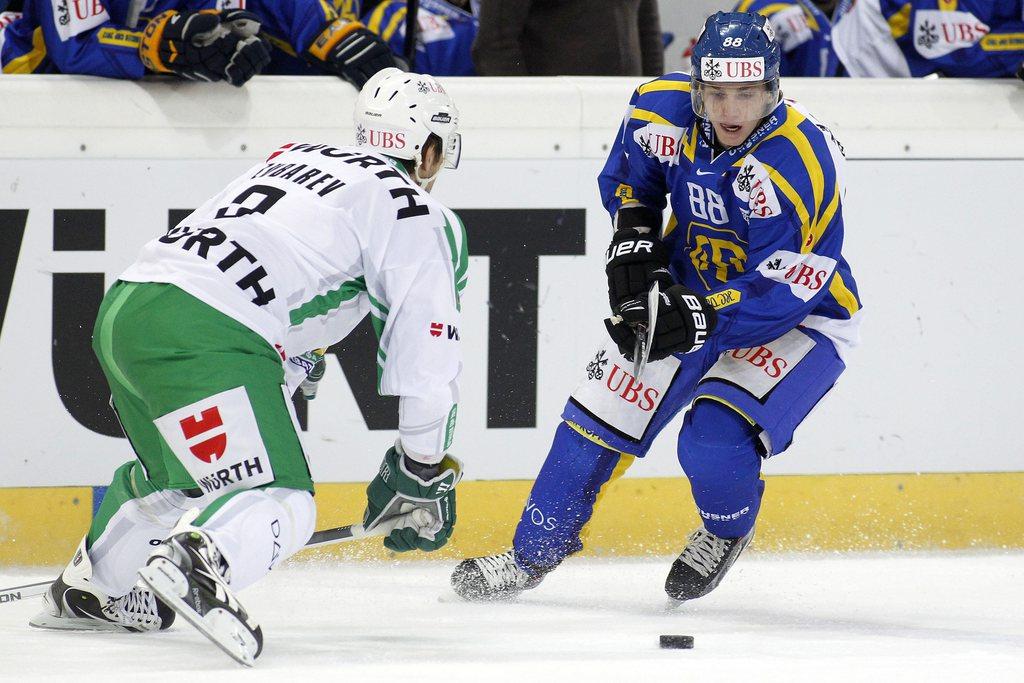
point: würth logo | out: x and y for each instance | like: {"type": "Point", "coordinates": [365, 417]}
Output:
{"type": "Point", "coordinates": [282, 150]}
{"type": "Point", "coordinates": [211, 448]}
{"type": "Point", "coordinates": [437, 329]}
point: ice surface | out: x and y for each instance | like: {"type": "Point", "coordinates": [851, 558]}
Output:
{"type": "Point", "coordinates": [880, 618]}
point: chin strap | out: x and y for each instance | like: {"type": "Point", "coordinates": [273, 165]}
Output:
{"type": "Point", "coordinates": [424, 181]}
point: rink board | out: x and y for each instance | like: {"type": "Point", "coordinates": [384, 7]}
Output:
{"type": "Point", "coordinates": [635, 516]}
{"type": "Point", "coordinates": [934, 388]}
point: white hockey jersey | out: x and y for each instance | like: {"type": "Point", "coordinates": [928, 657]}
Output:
{"type": "Point", "coordinates": [302, 246]}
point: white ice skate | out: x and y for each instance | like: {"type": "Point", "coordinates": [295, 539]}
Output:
{"type": "Point", "coordinates": [494, 577]}
{"type": "Point", "coordinates": [73, 604]}
{"type": "Point", "coordinates": [188, 572]}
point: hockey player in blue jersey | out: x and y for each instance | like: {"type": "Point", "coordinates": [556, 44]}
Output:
{"type": "Point", "coordinates": [208, 40]}
{"type": "Point", "coordinates": [803, 31]}
{"type": "Point", "coordinates": [757, 308]}
{"type": "Point", "coordinates": [899, 38]}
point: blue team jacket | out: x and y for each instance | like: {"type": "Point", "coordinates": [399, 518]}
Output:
{"type": "Point", "coordinates": [93, 36]}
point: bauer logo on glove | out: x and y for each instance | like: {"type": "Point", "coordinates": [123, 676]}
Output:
{"type": "Point", "coordinates": [684, 322]}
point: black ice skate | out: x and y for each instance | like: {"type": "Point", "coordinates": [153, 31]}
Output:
{"type": "Point", "coordinates": [494, 577]}
{"type": "Point", "coordinates": [73, 604]}
{"type": "Point", "coordinates": [188, 572]}
{"type": "Point", "coordinates": [702, 564]}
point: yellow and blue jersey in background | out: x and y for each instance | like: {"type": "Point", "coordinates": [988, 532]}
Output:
{"type": "Point", "coordinates": [804, 34]}
{"type": "Point", "coordinates": [961, 38]}
{"type": "Point", "coordinates": [757, 229]}
{"type": "Point", "coordinates": [94, 37]}
{"type": "Point", "coordinates": [444, 40]}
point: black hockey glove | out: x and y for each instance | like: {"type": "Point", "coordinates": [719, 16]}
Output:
{"type": "Point", "coordinates": [253, 52]}
{"type": "Point", "coordinates": [636, 258]}
{"type": "Point", "coordinates": [685, 320]}
{"type": "Point", "coordinates": [350, 50]}
{"type": "Point", "coordinates": [200, 47]}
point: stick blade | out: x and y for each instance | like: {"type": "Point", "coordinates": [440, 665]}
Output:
{"type": "Point", "coordinates": [645, 333]}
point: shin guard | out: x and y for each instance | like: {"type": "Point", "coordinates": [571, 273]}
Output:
{"type": "Point", "coordinates": [720, 454]}
{"type": "Point", "coordinates": [562, 500]}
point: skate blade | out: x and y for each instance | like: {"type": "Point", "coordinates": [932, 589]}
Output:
{"type": "Point", "coordinates": [673, 604]}
{"type": "Point", "coordinates": [222, 628]}
{"type": "Point", "coordinates": [48, 621]}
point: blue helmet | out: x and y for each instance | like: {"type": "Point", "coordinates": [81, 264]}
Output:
{"type": "Point", "coordinates": [735, 48]}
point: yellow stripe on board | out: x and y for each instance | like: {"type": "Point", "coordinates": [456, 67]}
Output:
{"type": "Point", "coordinates": [42, 526]}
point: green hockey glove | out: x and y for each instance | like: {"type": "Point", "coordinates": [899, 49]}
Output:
{"type": "Point", "coordinates": [313, 363]}
{"type": "Point", "coordinates": [403, 481]}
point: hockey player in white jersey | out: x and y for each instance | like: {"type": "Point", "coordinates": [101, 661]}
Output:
{"type": "Point", "coordinates": [196, 340]}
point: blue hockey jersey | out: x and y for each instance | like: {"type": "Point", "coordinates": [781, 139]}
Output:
{"type": "Point", "coordinates": [804, 34]}
{"type": "Point", "coordinates": [445, 38]}
{"type": "Point", "coordinates": [757, 229]}
{"type": "Point", "coordinates": [81, 37]}
{"type": "Point", "coordinates": [98, 37]}
{"type": "Point", "coordinates": [967, 38]}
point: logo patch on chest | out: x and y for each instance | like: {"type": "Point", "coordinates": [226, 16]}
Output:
{"type": "Point", "coordinates": [805, 274]}
{"type": "Point", "coordinates": [754, 188]}
{"type": "Point", "coordinates": [660, 142]}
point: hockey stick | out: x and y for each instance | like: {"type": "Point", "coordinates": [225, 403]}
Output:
{"type": "Point", "coordinates": [645, 333]}
{"type": "Point", "coordinates": [419, 517]}
{"type": "Point", "coordinates": [411, 26]}
{"type": "Point", "coordinates": [29, 590]}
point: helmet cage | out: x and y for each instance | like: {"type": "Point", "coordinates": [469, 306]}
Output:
{"type": "Point", "coordinates": [746, 103]}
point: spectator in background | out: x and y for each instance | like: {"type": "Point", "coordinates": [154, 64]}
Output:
{"type": "Point", "coordinates": [803, 31]}
{"type": "Point", "coordinates": [445, 35]}
{"type": "Point", "coordinates": [124, 39]}
{"type": "Point", "coordinates": [321, 36]}
{"type": "Point", "coordinates": [899, 38]}
{"type": "Point", "coordinates": [94, 37]}
{"type": "Point", "coordinates": [569, 37]}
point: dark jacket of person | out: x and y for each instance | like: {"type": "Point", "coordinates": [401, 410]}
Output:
{"type": "Point", "coordinates": [569, 37]}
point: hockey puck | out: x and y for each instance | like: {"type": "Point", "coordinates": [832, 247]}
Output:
{"type": "Point", "coordinates": [676, 642]}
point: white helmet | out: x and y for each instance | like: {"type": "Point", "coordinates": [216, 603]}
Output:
{"type": "Point", "coordinates": [397, 111]}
